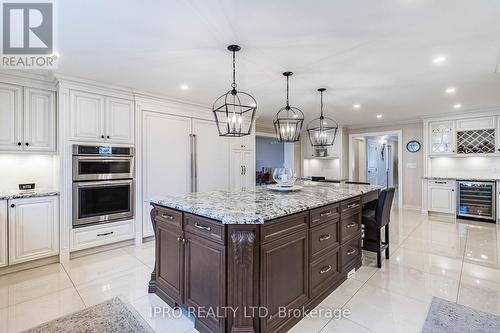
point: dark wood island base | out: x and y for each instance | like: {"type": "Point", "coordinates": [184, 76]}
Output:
{"type": "Point", "coordinates": [292, 262]}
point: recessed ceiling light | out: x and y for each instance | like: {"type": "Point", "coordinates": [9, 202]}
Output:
{"type": "Point", "coordinates": [457, 106]}
{"type": "Point", "coordinates": [439, 59]}
{"type": "Point", "coordinates": [450, 90]}
{"type": "Point", "coordinates": [184, 87]}
{"type": "Point", "coordinates": [356, 106]}
{"type": "Point", "coordinates": [379, 116]}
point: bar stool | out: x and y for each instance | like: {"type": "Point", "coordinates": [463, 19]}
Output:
{"type": "Point", "coordinates": [376, 219]}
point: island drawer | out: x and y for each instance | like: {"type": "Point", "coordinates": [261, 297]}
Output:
{"type": "Point", "coordinates": [349, 225]}
{"type": "Point", "coordinates": [324, 237]}
{"type": "Point", "coordinates": [351, 206]}
{"type": "Point", "coordinates": [369, 197]}
{"type": "Point", "coordinates": [283, 226]}
{"type": "Point", "coordinates": [323, 214]}
{"type": "Point", "coordinates": [323, 271]}
{"type": "Point", "coordinates": [350, 250]}
{"type": "Point", "coordinates": [170, 216]}
{"type": "Point", "coordinates": [210, 229]}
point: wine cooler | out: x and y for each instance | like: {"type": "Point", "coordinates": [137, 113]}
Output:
{"type": "Point", "coordinates": [477, 199]}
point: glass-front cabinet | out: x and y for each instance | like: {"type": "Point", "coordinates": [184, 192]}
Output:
{"type": "Point", "coordinates": [442, 137]}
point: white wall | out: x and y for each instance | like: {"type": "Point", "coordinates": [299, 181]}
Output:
{"type": "Point", "coordinates": [17, 168]}
{"type": "Point", "coordinates": [412, 177]}
{"type": "Point", "coordinates": [328, 168]}
{"type": "Point", "coordinates": [473, 166]}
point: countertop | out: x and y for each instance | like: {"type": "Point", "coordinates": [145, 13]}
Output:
{"type": "Point", "coordinates": [8, 195]}
{"type": "Point", "coordinates": [478, 179]}
{"type": "Point", "coordinates": [257, 205]}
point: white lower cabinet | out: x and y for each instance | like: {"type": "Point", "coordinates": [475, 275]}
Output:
{"type": "Point", "coordinates": [101, 234]}
{"type": "Point", "coordinates": [441, 196]}
{"type": "Point", "coordinates": [33, 228]}
{"type": "Point", "coordinates": [3, 233]}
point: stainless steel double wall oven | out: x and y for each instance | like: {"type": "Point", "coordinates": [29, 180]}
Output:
{"type": "Point", "coordinates": [103, 184]}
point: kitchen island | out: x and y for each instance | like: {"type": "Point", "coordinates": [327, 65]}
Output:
{"type": "Point", "coordinates": [240, 260]}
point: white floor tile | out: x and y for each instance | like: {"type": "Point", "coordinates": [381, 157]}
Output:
{"type": "Point", "coordinates": [25, 315]}
{"type": "Point", "coordinates": [385, 311]}
{"type": "Point", "coordinates": [32, 283]}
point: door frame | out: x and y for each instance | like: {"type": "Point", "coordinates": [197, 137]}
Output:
{"type": "Point", "coordinates": [399, 134]}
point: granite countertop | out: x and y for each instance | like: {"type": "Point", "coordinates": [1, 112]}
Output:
{"type": "Point", "coordinates": [255, 206]}
{"type": "Point", "coordinates": [8, 195]}
{"type": "Point", "coordinates": [479, 179]}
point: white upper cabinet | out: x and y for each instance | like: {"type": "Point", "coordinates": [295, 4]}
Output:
{"type": "Point", "coordinates": [10, 117]}
{"type": "Point", "coordinates": [497, 133]}
{"type": "Point", "coordinates": [119, 120]}
{"type": "Point", "coordinates": [101, 119]}
{"type": "Point", "coordinates": [28, 126]}
{"type": "Point", "coordinates": [39, 120]}
{"type": "Point", "coordinates": [473, 124]}
{"type": "Point", "coordinates": [442, 138]}
{"type": "Point", "coordinates": [87, 116]}
{"type": "Point", "coordinates": [33, 228]}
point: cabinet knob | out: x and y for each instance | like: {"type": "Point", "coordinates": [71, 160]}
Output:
{"type": "Point", "coordinates": [19, 143]}
{"type": "Point", "coordinates": [107, 137]}
{"type": "Point", "coordinates": [12, 206]}
{"type": "Point", "coordinates": [27, 143]}
{"type": "Point", "coordinates": [102, 136]}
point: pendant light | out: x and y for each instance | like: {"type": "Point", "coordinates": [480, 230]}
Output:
{"type": "Point", "coordinates": [288, 121]}
{"type": "Point", "coordinates": [235, 110]}
{"type": "Point", "coordinates": [323, 130]}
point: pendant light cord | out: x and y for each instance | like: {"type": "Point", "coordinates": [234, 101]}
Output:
{"type": "Point", "coordinates": [321, 105]}
{"type": "Point", "coordinates": [233, 85]}
{"type": "Point", "coordinates": [287, 104]}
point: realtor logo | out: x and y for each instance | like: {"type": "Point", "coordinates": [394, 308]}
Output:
{"type": "Point", "coordinates": [28, 35]}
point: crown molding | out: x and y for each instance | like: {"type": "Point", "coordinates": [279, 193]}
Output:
{"type": "Point", "coordinates": [29, 79]}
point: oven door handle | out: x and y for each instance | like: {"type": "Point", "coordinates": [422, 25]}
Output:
{"type": "Point", "coordinates": [103, 183]}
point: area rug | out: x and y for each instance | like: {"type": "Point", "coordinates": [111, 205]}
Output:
{"type": "Point", "coordinates": [110, 316]}
{"type": "Point", "coordinates": [444, 317]}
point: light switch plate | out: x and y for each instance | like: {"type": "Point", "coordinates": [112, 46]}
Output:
{"type": "Point", "coordinates": [411, 165]}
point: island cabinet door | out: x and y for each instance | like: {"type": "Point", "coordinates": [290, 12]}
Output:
{"type": "Point", "coordinates": [170, 272]}
{"type": "Point", "coordinates": [205, 281]}
{"type": "Point", "coordinates": [284, 278]}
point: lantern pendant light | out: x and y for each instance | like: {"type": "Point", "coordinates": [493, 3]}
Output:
{"type": "Point", "coordinates": [234, 111]}
{"type": "Point", "coordinates": [323, 130]}
{"type": "Point", "coordinates": [288, 121]}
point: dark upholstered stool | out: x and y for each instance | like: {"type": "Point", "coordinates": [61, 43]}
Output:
{"type": "Point", "coordinates": [376, 219]}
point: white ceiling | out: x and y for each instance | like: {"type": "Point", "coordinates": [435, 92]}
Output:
{"type": "Point", "coordinates": [375, 53]}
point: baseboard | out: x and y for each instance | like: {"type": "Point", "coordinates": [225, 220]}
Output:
{"type": "Point", "coordinates": [103, 248]}
{"type": "Point", "coordinates": [412, 207]}
{"type": "Point", "coordinates": [28, 265]}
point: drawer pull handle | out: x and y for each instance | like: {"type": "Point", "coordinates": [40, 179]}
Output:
{"type": "Point", "coordinates": [350, 225]}
{"type": "Point", "coordinates": [325, 269]}
{"type": "Point", "coordinates": [105, 234]}
{"type": "Point", "coordinates": [202, 227]}
{"type": "Point", "coordinates": [179, 238]}
{"type": "Point", "coordinates": [325, 214]}
{"type": "Point", "coordinates": [352, 205]}
{"type": "Point", "coordinates": [440, 182]}
{"type": "Point", "coordinates": [324, 237]}
{"type": "Point", "coordinates": [351, 252]}
{"type": "Point", "coordinates": [166, 216]}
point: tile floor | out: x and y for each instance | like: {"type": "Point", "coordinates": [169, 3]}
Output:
{"type": "Point", "coordinates": [457, 261]}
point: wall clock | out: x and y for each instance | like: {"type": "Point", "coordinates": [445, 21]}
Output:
{"type": "Point", "coordinates": [413, 146]}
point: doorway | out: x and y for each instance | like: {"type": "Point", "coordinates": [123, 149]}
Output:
{"type": "Point", "coordinates": [375, 158]}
